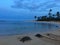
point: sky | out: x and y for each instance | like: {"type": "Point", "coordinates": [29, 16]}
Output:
{"type": "Point", "coordinates": [27, 9]}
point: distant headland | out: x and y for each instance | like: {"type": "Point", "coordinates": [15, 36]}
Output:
{"type": "Point", "coordinates": [50, 17]}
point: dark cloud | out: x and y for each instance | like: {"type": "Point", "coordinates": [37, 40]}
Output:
{"type": "Point", "coordinates": [26, 5]}
{"type": "Point", "coordinates": [35, 5]}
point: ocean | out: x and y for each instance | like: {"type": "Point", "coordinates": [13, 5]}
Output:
{"type": "Point", "coordinates": [23, 27]}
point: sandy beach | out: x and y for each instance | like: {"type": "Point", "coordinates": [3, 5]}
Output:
{"type": "Point", "coordinates": [15, 39]}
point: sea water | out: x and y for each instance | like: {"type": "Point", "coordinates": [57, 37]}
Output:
{"type": "Point", "coordinates": [22, 27]}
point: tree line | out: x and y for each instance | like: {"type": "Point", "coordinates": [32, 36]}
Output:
{"type": "Point", "coordinates": [50, 17]}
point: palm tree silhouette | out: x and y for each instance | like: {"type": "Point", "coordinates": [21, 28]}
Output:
{"type": "Point", "coordinates": [35, 17]}
{"type": "Point", "coordinates": [58, 14]}
{"type": "Point", "coordinates": [50, 12]}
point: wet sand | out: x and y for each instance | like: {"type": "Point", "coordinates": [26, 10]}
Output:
{"type": "Point", "coordinates": [13, 40]}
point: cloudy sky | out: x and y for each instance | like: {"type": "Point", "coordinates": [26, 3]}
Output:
{"type": "Point", "coordinates": [14, 9]}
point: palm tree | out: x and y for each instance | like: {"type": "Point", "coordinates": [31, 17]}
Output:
{"type": "Point", "coordinates": [44, 18]}
{"type": "Point", "coordinates": [50, 12]}
{"type": "Point", "coordinates": [35, 17]}
{"type": "Point", "coordinates": [53, 15]}
{"type": "Point", "coordinates": [58, 14]}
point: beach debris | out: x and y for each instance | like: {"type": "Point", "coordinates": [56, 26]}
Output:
{"type": "Point", "coordinates": [38, 35]}
{"type": "Point", "coordinates": [26, 38]}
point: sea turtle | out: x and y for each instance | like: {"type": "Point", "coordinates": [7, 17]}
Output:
{"type": "Point", "coordinates": [26, 38]}
{"type": "Point", "coordinates": [38, 35]}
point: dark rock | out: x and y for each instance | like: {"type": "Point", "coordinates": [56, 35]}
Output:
{"type": "Point", "coordinates": [48, 34]}
{"type": "Point", "coordinates": [56, 26]}
{"type": "Point", "coordinates": [26, 38]}
{"type": "Point", "coordinates": [38, 35]}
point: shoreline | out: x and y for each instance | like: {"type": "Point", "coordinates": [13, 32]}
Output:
{"type": "Point", "coordinates": [13, 39]}
{"type": "Point", "coordinates": [52, 22]}
{"type": "Point", "coordinates": [44, 21]}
